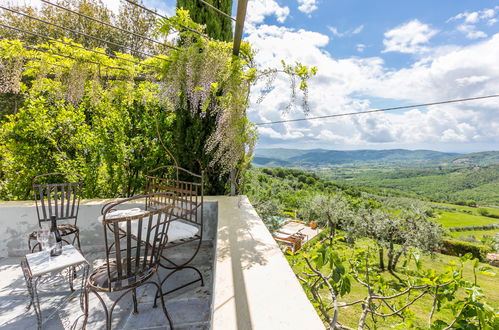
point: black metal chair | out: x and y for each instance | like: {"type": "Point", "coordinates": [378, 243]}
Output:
{"type": "Point", "coordinates": [54, 196]}
{"type": "Point", "coordinates": [187, 223]}
{"type": "Point", "coordinates": [134, 244]}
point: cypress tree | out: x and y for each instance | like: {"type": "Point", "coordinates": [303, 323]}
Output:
{"type": "Point", "coordinates": [191, 130]}
{"type": "Point", "coordinates": [217, 26]}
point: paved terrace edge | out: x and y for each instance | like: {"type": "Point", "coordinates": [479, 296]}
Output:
{"type": "Point", "coordinates": [254, 286]}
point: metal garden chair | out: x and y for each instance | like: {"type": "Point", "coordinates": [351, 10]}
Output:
{"type": "Point", "coordinates": [54, 196]}
{"type": "Point", "coordinates": [187, 190]}
{"type": "Point", "coordinates": [134, 243]}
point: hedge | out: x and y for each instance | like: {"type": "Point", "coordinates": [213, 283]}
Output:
{"type": "Point", "coordinates": [459, 248]}
{"type": "Point", "coordinates": [473, 228]}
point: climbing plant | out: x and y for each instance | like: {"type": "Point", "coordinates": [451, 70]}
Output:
{"type": "Point", "coordinates": [114, 118]}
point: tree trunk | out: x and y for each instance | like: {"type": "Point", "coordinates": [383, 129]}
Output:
{"type": "Point", "coordinates": [390, 257]}
{"type": "Point", "coordinates": [332, 232]}
{"type": "Point", "coordinates": [233, 182]}
{"type": "Point", "coordinates": [381, 259]}
{"type": "Point", "coordinates": [396, 259]}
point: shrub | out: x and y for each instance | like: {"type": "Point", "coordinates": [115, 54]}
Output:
{"type": "Point", "coordinates": [483, 212]}
{"type": "Point", "coordinates": [470, 203]}
{"type": "Point", "coordinates": [458, 248]}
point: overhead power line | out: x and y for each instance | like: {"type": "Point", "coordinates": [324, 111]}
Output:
{"type": "Point", "coordinates": [80, 33]}
{"type": "Point", "coordinates": [109, 25]}
{"type": "Point", "coordinates": [216, 9]}
{"type": "Point", "coordinates": [73, 45]}
{"type": "Point", "coordinates": [379, 110]}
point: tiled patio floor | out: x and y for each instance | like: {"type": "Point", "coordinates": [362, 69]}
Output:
{"type": "Point", "coordinates": [189, 308]}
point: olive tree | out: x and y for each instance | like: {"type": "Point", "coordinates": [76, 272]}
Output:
{"type": "Point", "coordinates": [327, 210]}
{"type": "Point", "coordinates": [395, 232]}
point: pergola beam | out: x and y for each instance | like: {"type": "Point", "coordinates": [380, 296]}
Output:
{"type": "Point", "coordinates": [238, 33]}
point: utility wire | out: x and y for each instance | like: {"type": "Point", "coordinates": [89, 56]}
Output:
{"type": "Point", "coordinates": [379, 110]}
{"type": "Point", "coordinates": [109, 25]}
{"type": "Point", "coordinates": [215, 9]}
{"type": "Point", "coordinates": [164, 17]}
{"type": "Point", "coordinates": [80, 33]}
{"type": "Point", "coordinates": [73, 45]}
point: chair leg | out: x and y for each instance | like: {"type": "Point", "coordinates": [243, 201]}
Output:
{"type": "Point", "coordinates": [77, 237]}
{"type": "Point", "coordinates": [200, 279]}
{"type": "Point", "coordinates": [85, 311]}
{"type": "Point", "coordinates": [134, 297]}
{"type": "Point", "coordinates": [163, 305]}
{"type": "Point", "coordinates": [108, 318]}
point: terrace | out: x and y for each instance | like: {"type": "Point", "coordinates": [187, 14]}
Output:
{"type": "Point", "coordinates": [249, 284]}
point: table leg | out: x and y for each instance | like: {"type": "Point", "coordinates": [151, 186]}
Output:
{"type": "Point", "coordinates": [83, 298]}
{"type": "Point", "coordinates": [71, 273]}
{"type": "Point", "coordinates": [84, 276]}
{"type": "Point", "coordinates": [31, 285]}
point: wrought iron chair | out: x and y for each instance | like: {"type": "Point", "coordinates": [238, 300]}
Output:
{"type": "Point", "coordinates": [187, 223]}
{"type": "Point", "coordinates": [134, 244]}
{"type": "Point", "coordinates": [53, 196]}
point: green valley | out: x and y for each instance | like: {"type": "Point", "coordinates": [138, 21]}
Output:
{"type": "Point", "coordinates": [378, 241]}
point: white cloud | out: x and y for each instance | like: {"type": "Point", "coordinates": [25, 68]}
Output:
{"type": "Point", "coordinates": [471, 31]}
{"type": "Point", "coordinates": [360, 47]}
{"type": "Point", "coordinates": [259, 9]}
{"type": "Point", "coordinates": [411, 37]}
{"type": "Point", "coordinates": [471, 20]}
{"type": "Point", "coordinates": [470, 80]}
{"type": "Point", "coordinates": [347, 33]}
{"type": "Point", "coordinates": [348, 85]}
{"type": "Point", "coordinates": [335, 31]}
{"type": "Point", "coordinates": [307, 6]}
{"type": "Point", "coordinates": [358, 29]}
{"type": "Point", "coordinates": [485, 15]}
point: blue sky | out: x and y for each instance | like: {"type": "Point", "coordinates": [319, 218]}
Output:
{"type": "Point", "coordinates": [373, 54]}
{"type": "Point", "coordinates": [377, 17]}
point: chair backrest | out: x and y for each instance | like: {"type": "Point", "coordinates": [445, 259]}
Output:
{"type": "Point", "coordinates": [134, 243]}
{"type": "Point", "coordinates": [187, 187]}
{"type": "Point", "coordinates": [55, 196]}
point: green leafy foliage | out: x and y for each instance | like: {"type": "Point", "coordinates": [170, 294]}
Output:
{"type": "Point", "coordinates": [329, 274]}
{"type": "Point", "coordinates": [75, 124]}
{"type": "Point", "coordinates": [459, 248]}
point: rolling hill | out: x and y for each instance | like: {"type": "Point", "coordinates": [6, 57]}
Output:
{"type": "Point", "coordinates": [321, 157]}
{"type": "Point", "coordinates": [314, 158]}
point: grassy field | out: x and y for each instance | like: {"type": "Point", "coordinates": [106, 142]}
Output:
{"type": "Point", "coordinates": [460, 219]}
{"type": "Point", "coordinates": [349, 316]}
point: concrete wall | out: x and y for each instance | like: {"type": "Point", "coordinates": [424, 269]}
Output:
{"type": "Point", "coordinates": [18, 219]}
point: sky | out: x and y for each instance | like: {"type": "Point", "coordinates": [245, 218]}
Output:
{"type": "Point", "coordinates": [376, 54]}
{"type": "Point", "coordinates": [371, 55]}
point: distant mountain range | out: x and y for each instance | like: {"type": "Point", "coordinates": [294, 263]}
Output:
{"type": "Point", "coordinates": [316, 158]}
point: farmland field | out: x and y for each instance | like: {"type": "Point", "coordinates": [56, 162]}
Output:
{"type": "Point", "coordinates": [461, 219]}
